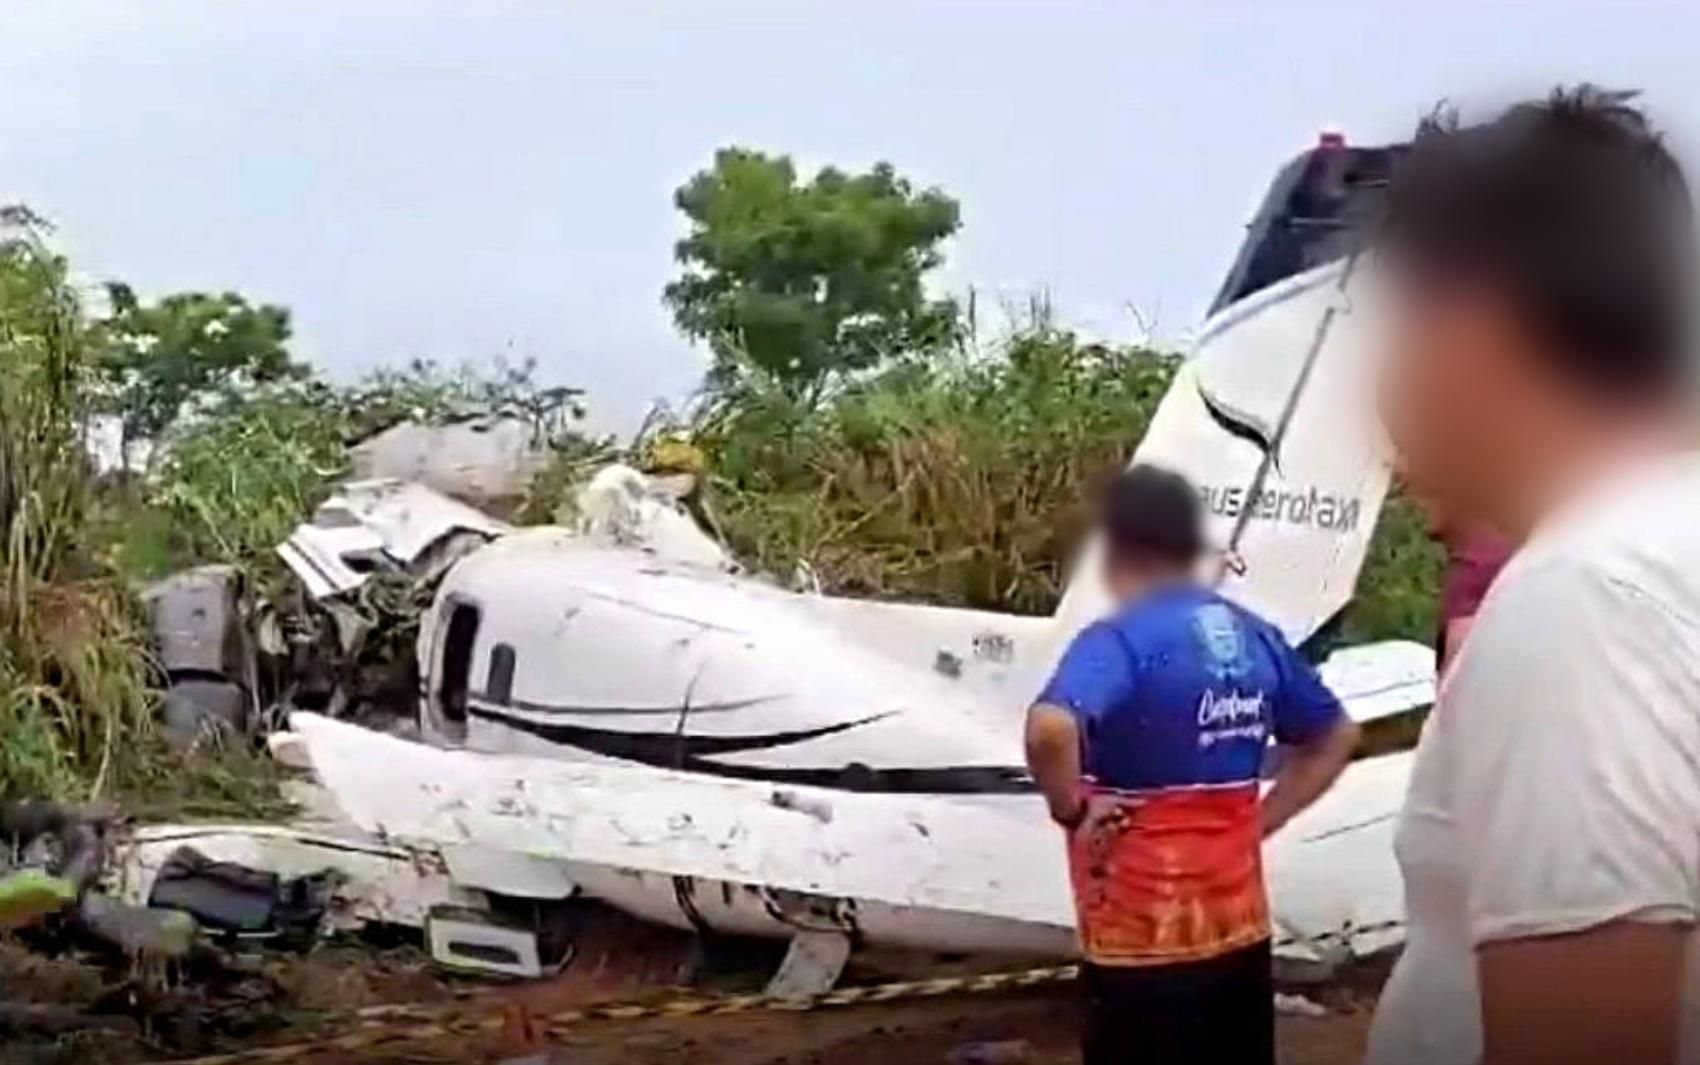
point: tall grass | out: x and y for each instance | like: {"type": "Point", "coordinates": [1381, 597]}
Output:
{"type": "Point", "coordinates": [961, 481]}
{"type": "Point", "coordinates": [43, 482]}
{"type": "Point", "coordinates": [74, 669]}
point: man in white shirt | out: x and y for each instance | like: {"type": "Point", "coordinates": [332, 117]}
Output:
{"type": "Point", "coordinates": [1543, 266]}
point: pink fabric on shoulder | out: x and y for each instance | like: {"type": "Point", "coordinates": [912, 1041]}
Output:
{"type": "Point", "coordinates": [1473, 559]}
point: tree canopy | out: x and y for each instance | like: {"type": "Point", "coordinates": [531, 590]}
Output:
{"type": "Point", "coordinates": [802, 281]}
{"type": "Point", "coordinates": [158, 357]}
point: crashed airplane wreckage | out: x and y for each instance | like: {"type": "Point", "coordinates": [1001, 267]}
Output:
{"type": "Point", "coordinates": [614, 712]}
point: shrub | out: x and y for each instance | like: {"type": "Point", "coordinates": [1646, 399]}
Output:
{"type": "Point", "coordinates": [959, 480]}
{"type": "Point", "coordinates": [236, 482]}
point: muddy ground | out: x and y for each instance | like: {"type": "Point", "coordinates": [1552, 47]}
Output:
{"type": "Point", "coordinates": [921, 1033]}
{"type": "Point", "coordinates": [78, 1009]}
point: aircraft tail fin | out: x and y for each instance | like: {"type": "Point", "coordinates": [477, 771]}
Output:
{"type": "Point", "coordinates": [1272, 419]}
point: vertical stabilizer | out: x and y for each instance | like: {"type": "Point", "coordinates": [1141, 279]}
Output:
{"type": "Point", "coordinates": [1296, 507]}
{"type": "Point", "coordinates": [1273, 415]}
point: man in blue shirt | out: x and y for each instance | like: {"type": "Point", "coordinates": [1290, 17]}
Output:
{"type": "Point", "coordinates": [1148, 743]}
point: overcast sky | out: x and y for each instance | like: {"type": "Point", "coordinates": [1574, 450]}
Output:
{"type": "Point", "coordinates": [468, 178]}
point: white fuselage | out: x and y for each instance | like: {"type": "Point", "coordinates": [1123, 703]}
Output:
{"type": "Point", "coordinates": [593, 652]}
{"type": "Point", "coordinates": [708, 750]}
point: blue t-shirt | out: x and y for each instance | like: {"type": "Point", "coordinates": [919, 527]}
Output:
{"type": "Point", "coordinates": [1184, 688]}
{"type": "Point", "coordinates": [1176, 697]}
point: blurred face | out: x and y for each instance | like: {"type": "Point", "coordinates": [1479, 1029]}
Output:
{"type": "Point", "coordinates": [1449, 392]}
{"type": "Point", "coordinates": [1124, 580]}
{"type": "Point", "coordinates": [1128, 579]}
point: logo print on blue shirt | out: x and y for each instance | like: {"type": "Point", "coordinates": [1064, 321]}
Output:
{"type": "Point", "coordinates": [1220, 634]}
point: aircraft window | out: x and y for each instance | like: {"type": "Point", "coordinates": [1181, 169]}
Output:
{"type": "Point", "coordinates": [489, 953]}
{"type": "Point", "coordinates": [499, 685]}
{"type": "Point", "coordinates": [457, 660]}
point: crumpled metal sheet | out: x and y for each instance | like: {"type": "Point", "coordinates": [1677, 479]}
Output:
{"type": "Point", "coordinates": [624, 507]}
{"type": "Point", "coordinates": [372, 525]}
{"type": "Point", "coordinates": [197, 623]}
{"type": "Point", "coordinates": [1376, 680]}
{"type": "Point", "coordinates": [377, 880]}
{"type": "Point", "coordinates": [482, 459]}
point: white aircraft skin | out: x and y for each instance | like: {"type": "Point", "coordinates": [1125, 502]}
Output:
{"type": "Point", "coordinates": [706, 750]}
{"type": "Point", "coordinates": [695, 850]}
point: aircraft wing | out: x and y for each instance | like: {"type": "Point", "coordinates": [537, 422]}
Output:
{"type": "Point", "coordinates": [1377, 680]}
{"type": "Point", "coordinates": [910, 850]}
{"type": "Point", "coordinates": [994, 865]}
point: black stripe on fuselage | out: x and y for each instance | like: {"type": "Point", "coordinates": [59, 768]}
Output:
{"type": "Point", "coordinates": [661, 749]}
{"type": "Point", "coordinates": [497, 706]}
{"type": "Point", "coordinates": [671, 750]}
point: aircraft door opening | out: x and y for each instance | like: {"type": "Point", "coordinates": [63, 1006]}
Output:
{"type": "Point", "coordinates": [454, 669]}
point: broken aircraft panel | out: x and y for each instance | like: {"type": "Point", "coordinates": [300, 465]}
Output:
{"type": "Point", "coordinates": [369, 524]}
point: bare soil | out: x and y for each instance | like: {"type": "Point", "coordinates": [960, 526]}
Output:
{"type": "Point", "coordinates": [80, 1010]}
{"type": "Point", "coordinates": [920, 1033]}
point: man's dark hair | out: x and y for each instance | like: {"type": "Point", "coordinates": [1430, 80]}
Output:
{"type": "Point", "coordinates": [1573, 208]}
{"type": "Point", "coordinates": [1150, 515]}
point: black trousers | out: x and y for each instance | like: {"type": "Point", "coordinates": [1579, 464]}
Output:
{"type": "Point", "coordinates": [1217, 1010]}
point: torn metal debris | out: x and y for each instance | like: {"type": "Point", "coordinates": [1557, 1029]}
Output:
{"type": "Point", "coordinates": [372, 525]}
{"type": "Point", "coordinates": [204, 647]}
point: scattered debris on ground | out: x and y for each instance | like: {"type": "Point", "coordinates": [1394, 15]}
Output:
{"type": "Point", "coordinates": [77, 1007]}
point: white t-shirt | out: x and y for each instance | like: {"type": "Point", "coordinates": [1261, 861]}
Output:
{"type": "Point", "coordinates": [1557, 784]}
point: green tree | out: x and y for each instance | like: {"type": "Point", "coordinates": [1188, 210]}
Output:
{"type": "Point", "coordinates": [158, 358]}
{"type": "Point", "coordinates": [801, 282]}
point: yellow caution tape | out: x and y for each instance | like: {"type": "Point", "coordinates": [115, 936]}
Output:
{"type": "Point", "coordinates": [380, 1025]}
{"type": "Point", "coordinates": [407, 1024]}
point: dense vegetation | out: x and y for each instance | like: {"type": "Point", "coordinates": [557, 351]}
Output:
{"type": "Point", "coordinates": [957, 480]}
{"type": "Point", "coordinates": [73, 675]}
{"type": "Point", "coordinates": [76, 675]}
{"type": "Point", "coordinates": [854, 434]}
